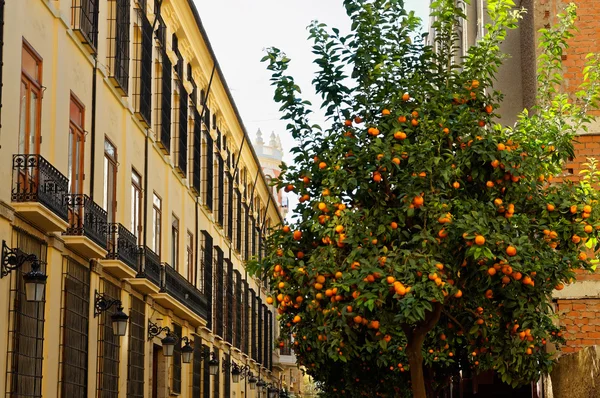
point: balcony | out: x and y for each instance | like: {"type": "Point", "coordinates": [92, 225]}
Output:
{"type": "Point", "coordinates": [182, 297]}
{"type": "Point", "coordinates": [122, 257]}
{"type": "Point", "coordinates": [38, 190]}
{"type": "Point", "coordinates": [150, 272]}
{"type": "Point", "coordinates": [86, 233]}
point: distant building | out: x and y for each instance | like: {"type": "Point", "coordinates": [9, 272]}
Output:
{"type": "Point", "coordinates": [270, 157]}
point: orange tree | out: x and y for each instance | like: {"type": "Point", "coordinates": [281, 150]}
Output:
{"type": "Point", "coordinates": [428, 238]}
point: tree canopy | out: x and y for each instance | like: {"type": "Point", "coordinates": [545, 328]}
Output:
{"type": "Point", "coordinates": [428, 238]}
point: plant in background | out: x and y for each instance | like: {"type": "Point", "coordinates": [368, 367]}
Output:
{"type": "Point", "coordinates": [429, 238]}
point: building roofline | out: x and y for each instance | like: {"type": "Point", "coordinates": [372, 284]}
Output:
{"type": "Point", "coordinates": [231, 101]}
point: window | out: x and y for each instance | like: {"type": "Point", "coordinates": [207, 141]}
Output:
{"type": "Point", "coordinates": [191, 270]}
{"type": "Point", "coordinates": [206, 248]}
{"type": "Point", "coordinates": [26, 327]}
{"type": "Point", "coordinates": [163, 91]}
{"type": "Point", "coordinates": [142, 66]}
{"type": "Point", "coordinates": [76, 146]}
{"type": "Point", "coordinates": [196, 152]}
{"type": "Point", "coordinates": [208, 166]}
{"type": "Point", "coordinates": [84, 21]}
{"type": "Point", "coordinates": [75, 309]}
{"type": "Point", "coordinates": [218, 290]}
{"type": "Point", "coordinates": [118, 43]}
{"type": "Point", "coordinates": [156, 223]}
{"type": "Point", "coordinates": [175, 243]}
{"type": "Point", "coordinates": [108, 347]}
{"type": "Point", "coordinates": [136, 205]}
{"type": "Point", "coordinates": [197, 371]}
{"type": "Point", "coordinates": [136, 348]}
{"type": "Point", "coordinates": [110, 180]}
{"type": "Point", "coordinates": [180, 114]}
{"type": "Point", "coordinates": [30, 109]}
{"type": "Point", "coordinates": [177, 361]}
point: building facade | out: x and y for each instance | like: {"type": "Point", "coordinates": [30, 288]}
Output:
{"type": "Point", "coordinates": [131, 185]}
{"type": "Point", "coordinates": [271, 156]}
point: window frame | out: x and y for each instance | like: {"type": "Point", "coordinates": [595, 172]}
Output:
{"type": "Point", "coordinates": [110, 161]}
{"type": "Point", "coordinates": [32, 85]}
{"type": "Point", "coordinates": [137, 198]}
{"type": "Point", "coordinates": [175, 242]}
{"type": "Point", "coordinates": [156, 224]}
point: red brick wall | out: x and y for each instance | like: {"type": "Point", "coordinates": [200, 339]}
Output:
{"type": "Point", "coordinates": [581, 319]}
{"type": "Point", "coordinates": [586, 146]}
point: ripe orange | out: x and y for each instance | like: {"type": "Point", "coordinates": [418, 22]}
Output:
{"type": "Point", "coordinates": [501, 147]}
{"type": "Point", "coordinates": [358, 319]}
{"type": "Point", "coordinates": [338, 275]}
{"type": "Point", "coordinates": [446, 130]}
{"type": "Point", "coordinates": [587, 209]}
{"type": "Point", "coordinates": [358, 120]}
{"type": "Point", "coordinates": [489, 109]}
{"type": "Point", "coordinates": [286, 228]}
{"type": "Point", "coordinates": [348, 123]}
{"type": "Point", "coordinates": [456, 185]}
{"type": "Point", "coordinates": [479, 240]}
{"type": "Point", "coordinates": [575, 239]}
{"type": "Point", "coordinates": [414, 122]}
{"type": "Point", "coordinates": [297, 319]}
{"type": "Point", "coordinates": [374, 325]}
{"type": "Point", "coordinates": [550, 207]}
{"type": "Point", "coordinates": [588, 229]}
{"type": "Point", "coordinates": [418, 201]}
{"type": "Point", "coordinates": [439, 266]}
{"type": "Point", "coordinates": [511, 251]}
{"type": "Point", "coordinates": [458, 294]}
{"type": "Point", "coordinates": [396, 161]}
{"type": "Point", "coordinates": [402, 119]}
{"type": "Point", "coordinates": [390, 280]}
{"type": "Point", "coordinates": [582, 256]}
{"type": "Point", "coordinates": [385, 112]}
{"type": "Point", "coordinates": [560, 286]}
{"type": "Point", "coordinates": [489, 184]}
{"type": "Point", "coordinates": [269, 300]}
{"type": "Point", "coordinates": [400, 135]}
{"type": "Point", "coordinates": [405, 97]}
{"type": "Point", "coordinates": [573, 209]}
{"type": "Point", "coordinates": [377, 177]}
{"type": "Point", "coordinates": [322, 206]}
{"type": "Point", "coordinates": [339, 229]}
{"type": "Point", "coordinates": [297, 235]}
{"type": "Point", "coordinates": [322, 165]}
{"type": "Point", "coordinates": [492, 271]}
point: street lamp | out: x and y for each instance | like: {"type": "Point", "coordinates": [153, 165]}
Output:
{"type": "Point", "coordinates": [260, 384]}
{"type": "Point", "coordinates": [119, 319]}
{"type": "Point", "coordinates": [241, 372]}
{"type": "Point", "coordinates": [35, 280]}
{"type": "Point", "coordinates": [273, 392]}
{"type": "Point", "coordinates": [186, 351]}
{"type": "Point", "coordinates": [252, 380]}
{"type": "Point", "coordinates": [213, 364]}
{"type": "Point", "coordinates": [169, 341]}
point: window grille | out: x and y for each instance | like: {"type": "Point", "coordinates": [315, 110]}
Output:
{"type": "Point", "coordinates": [84, 21]}
{"type": "Point", "coordinates": [75, 324]}
{"type": "Point", "coordinates": [196, 152]}
{"type": "Point", "coordinates": [247, 234]}
{"type": "Point", "coordinates": [118, 43]}
{"type": "Point", "coordinates": [229, 311]}
{"type": "Point", "coordinates": [108, 348]}
{"type": "Point", "coordinates": [142, 64]}
{"type": "Point", "coordinates": [237, 310]}
{"type": "Point", "coordinates": [287, 346]}
{"type": "Point", "coordinates": [227, 384]}
{"type": "Point", "coordinates": [26, 334]}
{"type": "Point", "coordinates": [230, 206]}
{"type": "Point", "coordinates": [253, 314]}
{"type": "Point", "coordinates": [220, 176]}
{"type": "Point", "coordinates": [270, 341]}
{"type": "Point", "coordinates": [237, 220]}
{"type": "Point", "coordinates": [176, 387]}
{"type": "Point", "coordinates": [208, 174]}
{"type": "Point", "coordinates": [181, 129]}
{"type": "Point", "coordinates": [217, 377]}
{"type": "Point", "coordinates": [197, 373]}
{"type": "Point", "coordinates": [218, 292]}
{"type": "Point", "coordinates": [164, 92]}
{"type": "Point", "coordinates": [265, 336]}
{"type": "Point", "coordinates": [259, 331]}
{"type": "Point", "coordinates": [226, 202]}
{"type": "Point", "coordinates": [253, 232]}
{"type": "Point", "coordinates": [206, 373]}
{"type": "Point", "coordinates": [136, 348]}
{"type": "Point", "coordinates": [207, 285]}
{"type": "Point", "coordinates": [207, 118]}
{"type": "Point", "coordinates": [246, 318]}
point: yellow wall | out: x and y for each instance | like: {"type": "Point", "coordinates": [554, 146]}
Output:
{"type": "Point", "coordinates": [68, 67]}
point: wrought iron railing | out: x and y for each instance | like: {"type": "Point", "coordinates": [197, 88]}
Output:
{"type": "Point", "coordinates": [84, 20]}
{"type": "Point", "coordinates": [178, 287]}
{"type": "Point", "coordinates": [150, 266]}
{"type": "Point", "coordinates": [86, 218]}
{"type": "Point", "coordinates": [36, 180]}
{"type": "Point", "coordinates": [122, 245]}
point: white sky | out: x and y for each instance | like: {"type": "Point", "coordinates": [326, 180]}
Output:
{"type": "Point", "coordinates": [240, 30]}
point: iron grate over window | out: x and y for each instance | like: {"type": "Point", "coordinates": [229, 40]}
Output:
{"type": "Point", "coordinates": [245, 317]}
{"type": "Point", "coordinates": [196, 152]}
{"type": "Point", "coordinates": [84, 21]}
{"type": "Point", "coordinates": [218, 292]}
{"type": "Point", "coordinates": [136, 350]}
{"type": "Point", "coordinates": [259, 331]}
{"type": "Point", "coordinates": [217, 380]}
{"type": "Point", "coordinates": [206, 374]}
{"type": "Point", "coordinates": [230, 207]}
{"type": "Point", "coordinates": [207, 259]}
{"type": "Point", "coordinates": [177, 360]}
{"type": "Point", "coordinates": [165, 104]}
{"type": "Point", "coordinates": [221, 191]}
{"type": "Point", "coordinates": [209, 170]}
{"type": "Point", "coordinates": [197, 373]}
{"type": "Point", "coordinates": [229, 302]}
{"type": "Point", "coordinates": [26, 334]}
{"type": "Point", "coordinates": [270, 341]}
{"type": "Point", "coordinates": [118, 43]}
{"type": "Point", "coordinates": [182, 132]}
{"type": "Point", "coordinates": [75, 325]}
{"type": "Point", "coordinates": [253, 314]}
{"type": "Point", "coordinates": [237, 309]}
{"type": "Point", "coordinates": [227, 384]}
{"type": "Point", "coordinates": [265, 336]}
{"type": "Point", "coordinates": [108, 348]}
{"type": "Point", "coordinates": [142, 97]}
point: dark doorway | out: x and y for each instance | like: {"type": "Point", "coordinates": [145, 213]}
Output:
{"type": "Point", "coordinates": [155, 358]}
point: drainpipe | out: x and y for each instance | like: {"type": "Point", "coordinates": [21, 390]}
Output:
{"type": "Point", "coordinates": [93, 132]}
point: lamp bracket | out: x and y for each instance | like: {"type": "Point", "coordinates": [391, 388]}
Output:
{"type": "Point", "coordinates": [13, 258]}
{"type": "Point", "coordinates": [154, 330]}
{"type": "Point", "coordinates": [104, 303]}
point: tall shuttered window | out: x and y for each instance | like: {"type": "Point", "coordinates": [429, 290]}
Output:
{"type": "Point", "coordinates": [136, 348]}
{"type": "Point", "coordinates": [252, 330]}
{"type": "Point", "coordinates": [207, 265]}
{"type": "Point", "coordinates": [142, 66]}
{"type": "Point", "coordinates": [229, 302]}
{"type": "Point", "coordinates": [176, 386]}
{"type": "Point", "coordinates": [75, 324]}
{"type": "Point", "coordinates": [246, 318]}
{"type": "Point", "coordinates": [206, 374]}
{"type": "Point", "coordinates": [237, 309]}
{"type": "Point", "coordinates": [26, 332]}
{"type": "Point", "coordinates": [259, 331]}
{"type": "Point", "coordinates": [163, 90]}
{"type": "Point", "coordinates": [265, 336]}
{"type": "Point", "coordinates": [227, 381]}
{"type": "Point", "coordinates": [208, 171]}
{"type": "Point", "coordinates": [108, 348]}
{"type": "Point", "coordinates": [197, 371]}
{"type": "Point", "coordinates": [118, 43]}
{"type": "Point", "coordinates": [196, 152]}
{"type": "Point", "coordinates": [218, 290]}
{"type": "Point", "coordinates": [217, 380]}
{"type": "Point", "coordinates": [180, 120]}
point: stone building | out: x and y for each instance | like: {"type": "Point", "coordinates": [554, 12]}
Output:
{"type": "Point", "coordinates": [270, 157]}
{"type": "Point", "coordinates": [129, 191]}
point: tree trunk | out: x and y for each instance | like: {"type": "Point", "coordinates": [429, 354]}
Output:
{"type": "Point", "coordinates": [414, 349]}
